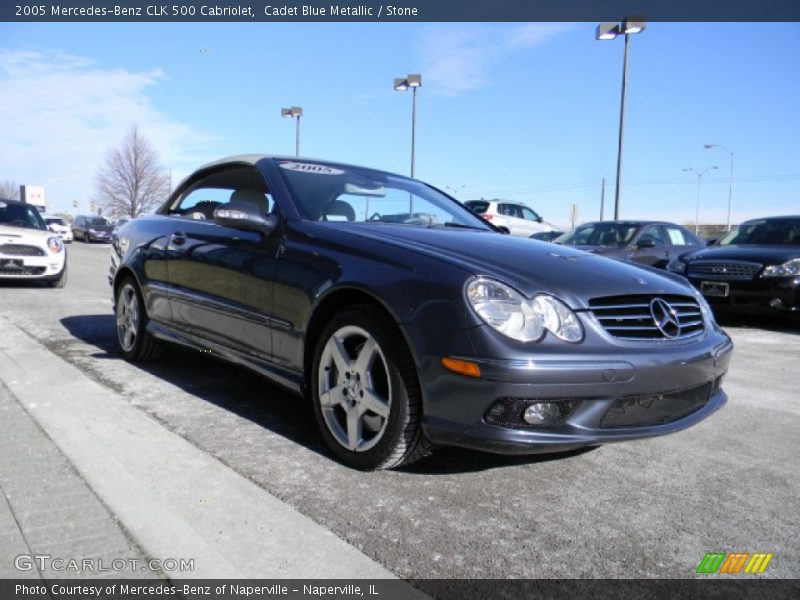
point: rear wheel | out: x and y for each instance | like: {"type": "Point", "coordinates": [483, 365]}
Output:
{"type": "Point", "coordinates": [366, 392]}
{"type": "Point", "coordinates": [133, 340]}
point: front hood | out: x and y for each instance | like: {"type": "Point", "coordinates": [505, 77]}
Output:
{"type": "Point", "coordinates": [761, 254]}
{"type": "Point", "coordinates": [528, 265]}
{"type": "Point", "coordinates": [19, 235]}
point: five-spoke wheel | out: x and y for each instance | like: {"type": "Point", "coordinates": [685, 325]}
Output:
{"type": "Point", "coordinates": [366, 391]}
{"type": "Point", "coordinates": [133, 339]}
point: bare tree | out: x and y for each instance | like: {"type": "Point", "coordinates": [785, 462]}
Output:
{"type": "Point", "coordinates": [9, 190]}
{"type": "Point", "coordinates": [132, 181]}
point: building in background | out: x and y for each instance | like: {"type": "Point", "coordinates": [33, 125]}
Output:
{"type": "Point", "coordinates": [34, 194]}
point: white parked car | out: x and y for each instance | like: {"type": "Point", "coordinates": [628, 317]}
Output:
{"type": "Point", "coordinates": [512, 217]}
{"type": "Point", "coordinates": [28, 249]}
{"type": "Point", "coordinates": [59, 227]}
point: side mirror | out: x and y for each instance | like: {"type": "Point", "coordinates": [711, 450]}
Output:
{"type": "Point", "coordinates": [711, 242]}
{"type": "Point", "coordinates": [646, 243]}
{"type": "Point", "coordinates": [245, 216]}
{"type": "Point", "coordinates": [539, 219]}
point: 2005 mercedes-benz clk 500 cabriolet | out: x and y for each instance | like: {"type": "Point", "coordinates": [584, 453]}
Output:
{"type": "Point", "coordinates": [407, 319]}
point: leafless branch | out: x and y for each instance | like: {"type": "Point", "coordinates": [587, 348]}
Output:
{"type": "Point", "coordinates": [9, 190]}
{"type": "Point", "coordinates": [132, 181]}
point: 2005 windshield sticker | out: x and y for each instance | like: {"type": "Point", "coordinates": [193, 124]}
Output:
{"type": "Point", "coordinates": [310, 168]}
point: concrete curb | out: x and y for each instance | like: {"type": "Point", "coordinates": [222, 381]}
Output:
{"type": "Point", "coordinates": [175, 500]}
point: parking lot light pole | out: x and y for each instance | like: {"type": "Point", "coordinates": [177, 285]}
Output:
{"type": "Point", "coordinates": [730, 181]}
{"type": "Point", "coordinates": [697, 205]}
{"type": "Point", "coordinates": [609, 31]}
{"type": "Point", "coordinates": [402, 85]}
{"type": "Point", "coordinates": [294, 112]}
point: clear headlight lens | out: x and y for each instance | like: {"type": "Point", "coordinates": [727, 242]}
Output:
{"type": "Point", "coordinates": [676, 265]}
{"type": "Point", "coordinates": [55, 244]}
{"type": "Point", "coordinates": [788, 269]}
{"type": "Point", "coordinates": [513, 315]}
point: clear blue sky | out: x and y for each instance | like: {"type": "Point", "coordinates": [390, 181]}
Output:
{"type": "Point", "coordinates": [523, 111]}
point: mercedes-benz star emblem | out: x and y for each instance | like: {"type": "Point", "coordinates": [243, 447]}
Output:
{"type": "Point", "coordinates": [665, 318]}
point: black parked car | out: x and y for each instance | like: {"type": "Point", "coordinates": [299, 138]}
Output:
{"type": "Point", "coordinates": [90, 228]}
{"type": "Point", "coordinates": [644, 242]}
{"type": "Point", "coordinates": [755, 268]}
{"type": "Point", "coordinates": [406, 319]}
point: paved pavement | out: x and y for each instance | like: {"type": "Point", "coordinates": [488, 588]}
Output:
{"type": "Point", "coordinates": [646, 509]}
{"type": "Point", "coordinates": [47, 509]}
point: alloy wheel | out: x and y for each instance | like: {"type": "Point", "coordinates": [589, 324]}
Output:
{"type": "Point", "coordinates": [354, 388]}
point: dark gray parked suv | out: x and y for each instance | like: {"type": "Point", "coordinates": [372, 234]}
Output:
{"type": "Point", "coordinates": [651, 243]}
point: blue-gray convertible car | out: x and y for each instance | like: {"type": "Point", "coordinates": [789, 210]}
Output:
{"type": "Point", "coordinates": [409, 321]}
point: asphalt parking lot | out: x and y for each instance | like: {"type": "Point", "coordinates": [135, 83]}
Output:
{"type": "Point", "coordinates": [644, 509]}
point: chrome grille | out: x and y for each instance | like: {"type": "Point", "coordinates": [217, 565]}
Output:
{"type": "Point", "coordinates": [634, 317]}
{"type": "Point", "coordinates": [723, 270]}
{"type": "Point", "coordinates": [20, 250]}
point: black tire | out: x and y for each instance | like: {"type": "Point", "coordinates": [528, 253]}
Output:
{"type": "Point", "coordinates": [383, 442]}
{"type": "Point", "coordinates": [62, 278]}
{"type": "Point", "coordinates": [131, 318]}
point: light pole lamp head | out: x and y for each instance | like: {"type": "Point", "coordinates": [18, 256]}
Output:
{"type": "Point", "coordinates": [294, 111]}
{"type": "Point", "coordinates": [607, 31]}
{"type": "Point", "coordinates": [401, 84]}
{"type": "Point", "coordinates": [633, 25]}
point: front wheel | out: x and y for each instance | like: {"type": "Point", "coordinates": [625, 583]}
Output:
{"type": "Point", "coordinates": [366, 392]}
{"type": "Point", "coordinates": [61, 280]}
{"type": "Point", "coordinates": [133, 340]}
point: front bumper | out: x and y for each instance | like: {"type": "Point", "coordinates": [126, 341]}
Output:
{"type": "Point", "coordinates": [770, 295]}
{"type": "Point", "coordinates": [31, 267]}
{"type": "Point", "coordinates": [456, 406]}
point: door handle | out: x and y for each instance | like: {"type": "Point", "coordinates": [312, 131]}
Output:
{"type": "Point", "coordinates": [178, 238]}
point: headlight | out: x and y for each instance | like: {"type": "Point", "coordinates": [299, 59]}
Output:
{"type": "Point", "coordinates": [55, 244]}
{"type": "Point", "coordinates": [676, 265]}
{"type": "Point", "coordinates": [788, 269]}
{"type": "Point", "coordinates": [705, 307]}
{"type": "Point", "coordinates": [513, 315]}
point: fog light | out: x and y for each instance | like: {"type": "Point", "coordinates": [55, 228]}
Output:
{"type": "Point", "coordinates": [776, 303]}
{"type": "Point", "coordinates": [541, 413]}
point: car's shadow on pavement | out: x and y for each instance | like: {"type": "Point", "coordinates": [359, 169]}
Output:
{"type": "Point", "coordinates": [252, 397]}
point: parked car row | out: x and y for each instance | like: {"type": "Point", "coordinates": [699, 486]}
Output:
{"type": "Point", "coordinates": [755, 268]}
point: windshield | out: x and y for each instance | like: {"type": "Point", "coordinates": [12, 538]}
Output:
{"type": "Point", "coordinates": [352, 194]}
{"type": "Point", "coordinates": [97, 222]}
{"type": "Point", "coordinates": [20, 215]}
{"type": "Point", "coordinates": [599, 234]}
{"type": "Point", "coordinates": [53, 221]}
{"type": "Point", "coordinates": [783, 232]}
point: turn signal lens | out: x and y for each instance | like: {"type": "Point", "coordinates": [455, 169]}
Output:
{"type": "Point", "coordinates": [462, 367]}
